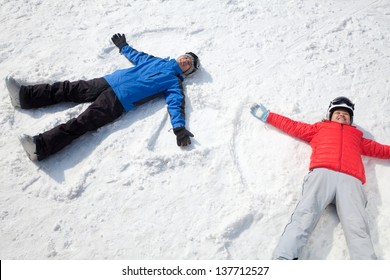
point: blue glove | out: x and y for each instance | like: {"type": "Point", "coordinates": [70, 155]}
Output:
{"type": "Point", "coordinates": [259, 112]}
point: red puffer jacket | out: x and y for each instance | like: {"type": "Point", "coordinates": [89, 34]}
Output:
{"type": "Point", "coordinates": [335, 146]}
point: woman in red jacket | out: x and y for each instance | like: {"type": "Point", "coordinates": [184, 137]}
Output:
{"type": "Point", "coordinates": [336, 177]}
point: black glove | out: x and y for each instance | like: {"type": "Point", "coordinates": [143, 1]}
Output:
{"type": "Point", "coordinates": [182, 136]}
{"type": "Point", "coordinates": [119, 40]}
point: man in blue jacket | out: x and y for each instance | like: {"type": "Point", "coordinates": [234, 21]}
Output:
{"type": "Point", "coordinates": [112, 95]}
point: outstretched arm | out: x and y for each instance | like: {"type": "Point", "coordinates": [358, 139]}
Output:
{"type": "Point", "coordinates": [175, 100]}
{"type": "Point", "coordinates": [375, 149]}
{"type": "Point", "coordinates": [131, 54]}
{"type": "Point", "coordinates": [293, 128]}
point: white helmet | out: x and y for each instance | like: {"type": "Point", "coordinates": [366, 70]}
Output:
{"type": "Point", "coordinates": [340, 102]}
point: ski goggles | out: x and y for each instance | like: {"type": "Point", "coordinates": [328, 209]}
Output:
{"type": "Point", "coordinates": [342, 100]}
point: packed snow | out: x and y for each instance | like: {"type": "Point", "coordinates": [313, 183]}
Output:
{"type": "Point", "coordinates": [127, 191]}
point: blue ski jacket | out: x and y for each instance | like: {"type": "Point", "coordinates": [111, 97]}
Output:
{"type": "Point", "coordinates": [149, 78]}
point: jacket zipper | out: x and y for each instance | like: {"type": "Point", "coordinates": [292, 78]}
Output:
{"type": "Point", "coordinates": [341, 145]}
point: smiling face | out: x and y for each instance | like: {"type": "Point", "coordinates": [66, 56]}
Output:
{"type": "Point", "coordinates": [184, 62]}
{"type": "Point", "coordinates": [341, 116]}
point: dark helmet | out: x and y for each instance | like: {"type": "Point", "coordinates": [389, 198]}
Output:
{"type": "Point", "coordinates": [194, 66]}
{"type": "Point", "coordinates": [341, 102]}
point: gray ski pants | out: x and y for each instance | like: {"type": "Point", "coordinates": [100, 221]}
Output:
{"type": "Point", "coordinates": [322, 187]}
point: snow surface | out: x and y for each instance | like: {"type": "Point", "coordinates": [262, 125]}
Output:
{"type": "Point", "coordinates": [127, 191]}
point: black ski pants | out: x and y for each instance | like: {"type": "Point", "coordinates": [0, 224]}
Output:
{"type": "Point", "coordinates": [104, 109]}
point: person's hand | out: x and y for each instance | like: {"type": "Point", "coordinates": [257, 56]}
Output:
{"type": "Point", "coordinates": [260, 112]}
{"type": "Point", "coordinates": [182, 136]}
{"type": "Point", "coordinates": [119, 40]}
